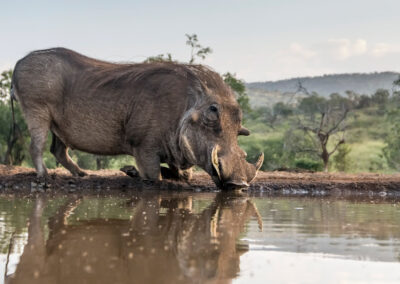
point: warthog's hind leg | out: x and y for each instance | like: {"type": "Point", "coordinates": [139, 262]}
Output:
{"type": "Point", "coordinates": [60, 151]}
{"type": "Point", "coordinates": [38, 130]}
{"type": "Point", "coordinates": [130, 171]}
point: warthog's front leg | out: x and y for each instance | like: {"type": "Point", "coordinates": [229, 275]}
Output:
{"type": "Point", "coordinates": [148, 163]}
{"type": "Point", "coordinates": [166, 173]}
{"type": "Point", "coordinates": [60, 151]}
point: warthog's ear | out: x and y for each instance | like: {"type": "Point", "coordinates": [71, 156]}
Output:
{"type": "Point", "coordinates": [244, 131]}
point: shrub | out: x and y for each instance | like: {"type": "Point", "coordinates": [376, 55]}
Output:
{"type": "Point", "coordinates": [308, 164]}
{"type": "Point", "coordinates": [341, 159]}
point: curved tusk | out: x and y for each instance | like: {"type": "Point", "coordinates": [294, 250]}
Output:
{"type": "Point", "coordinates": [259, 162]}
{"type": "Point", "coordinates": [256, 214]}
{"type": "Point", "coordinates": [214, 225]}
{"type": "Point", "coordinates": [244, 131]}
{"type": "Point", "coordinates": [214, 160]}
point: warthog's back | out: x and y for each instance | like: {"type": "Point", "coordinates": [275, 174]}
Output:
{"type": "Point", "coordinates": [50, 86]}
{"type": "Point", "coordinates": [88, 102]}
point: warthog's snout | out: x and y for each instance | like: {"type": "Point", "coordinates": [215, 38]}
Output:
{"type": "Point", "coordinates": [232, 171]}
{"type": "Point", "coordinates": [230, 185]}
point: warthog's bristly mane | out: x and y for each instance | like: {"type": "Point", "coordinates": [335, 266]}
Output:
{"type": "Point", "coordinates": [117, 75]}
{"type": "Point", "coordinates": [120, 75]}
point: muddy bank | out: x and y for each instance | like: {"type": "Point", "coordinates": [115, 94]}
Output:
{"type": "Point", "coordinates": [20, 179]}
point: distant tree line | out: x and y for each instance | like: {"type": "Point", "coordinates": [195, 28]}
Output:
{"type": "Point", "coordinates": [327, 84]}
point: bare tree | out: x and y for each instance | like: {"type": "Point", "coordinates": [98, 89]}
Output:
{"type": "Point", "coordinates": [324, 122]}
{"type": "Point", "coordinates": [300, 89]}
{"type": "Point", "coordinates": [284, 109]}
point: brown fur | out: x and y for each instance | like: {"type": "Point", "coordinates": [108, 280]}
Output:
{"type": "Point", "coordinates": [157, 112]}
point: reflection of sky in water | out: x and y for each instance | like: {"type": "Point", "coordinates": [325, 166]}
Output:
{"type": "Point", "coordinates": [19, 241]}
{"type": "Point", "coordinates": [355, 230]}
{"type": "Point", "coordinates": [310, 239]}
{"type": "Point", "coordinates": [287, 267]}
{"type": "Point", "coordinates": [12, 264]}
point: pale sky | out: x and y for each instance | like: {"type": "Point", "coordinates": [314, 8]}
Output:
{"type": "Point", "coordinates": [258, 40]}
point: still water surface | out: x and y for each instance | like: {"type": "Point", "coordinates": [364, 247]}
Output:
{"type": "Point", "coordinates": [193, 237]}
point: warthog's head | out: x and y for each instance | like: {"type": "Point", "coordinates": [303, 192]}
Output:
{"type": "Point", "coordinates": [209, 131]}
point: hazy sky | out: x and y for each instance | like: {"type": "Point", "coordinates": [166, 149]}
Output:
{"type": "Point", "coordinates": [257, 40]}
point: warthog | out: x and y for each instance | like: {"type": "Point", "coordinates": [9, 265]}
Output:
{"type": "Point", "coordinates": [179, 114]}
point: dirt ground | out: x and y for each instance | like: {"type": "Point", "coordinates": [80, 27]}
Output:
{"type": "Point", "coordinates": [19, 179]}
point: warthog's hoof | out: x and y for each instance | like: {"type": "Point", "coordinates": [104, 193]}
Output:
{"type": "Point", "coordinates": [130, 171]}
{"type": "Point", "coordinates": [82, 174]}
{"type": "Point", "coordinates": [176, 174]}
{"type": "Point", "coordinates": [186, 175]}
{"type": "Point", "coordinates": [78, 173]}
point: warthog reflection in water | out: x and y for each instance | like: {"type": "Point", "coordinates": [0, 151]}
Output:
{"type": "Point", "coordinates": [163, 242]}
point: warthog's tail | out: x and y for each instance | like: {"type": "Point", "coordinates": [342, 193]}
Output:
{"type": "Point", "coordinates": [12, 94]}
{"type": "Point", "coordinates": [13, 135]}
{"type": "Point", "coordinates": [12, 99]}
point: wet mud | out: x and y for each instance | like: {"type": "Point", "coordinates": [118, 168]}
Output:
{"type": "Point", "coordinates": [23, 180]}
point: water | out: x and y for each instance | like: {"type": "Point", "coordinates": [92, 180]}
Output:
{"type": "Point", "coordinates": [195, 237]}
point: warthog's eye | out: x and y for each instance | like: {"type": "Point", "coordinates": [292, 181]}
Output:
{"type": "Point", "coordinates": [211, 118]}
{"type": "Point", "coordinates": [213, 108]}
